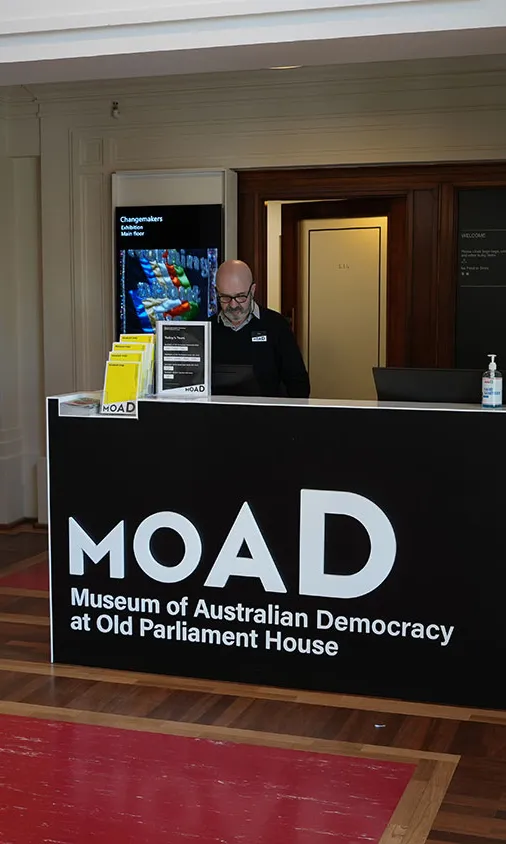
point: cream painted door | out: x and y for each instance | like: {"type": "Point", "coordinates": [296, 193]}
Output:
{"type": "Point", "coordinates": [342, 304]}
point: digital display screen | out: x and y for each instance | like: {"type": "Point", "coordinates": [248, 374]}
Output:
{"type": "Point", "coordinates": [166, 263]}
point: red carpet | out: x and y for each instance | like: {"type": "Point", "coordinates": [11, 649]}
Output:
{"type": "Point", "coordinates": [73, 784]}
{"type": "Point", "coordinates": [34, 577]}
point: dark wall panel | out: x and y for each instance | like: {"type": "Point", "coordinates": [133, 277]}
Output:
{"type": "Point", "coordinates": [481, 277]}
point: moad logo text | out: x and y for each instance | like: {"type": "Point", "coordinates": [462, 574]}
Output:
{"type": "Point", "coordinates": [315, 505]}
{"type": "Point", "coordinates": [124, 408]}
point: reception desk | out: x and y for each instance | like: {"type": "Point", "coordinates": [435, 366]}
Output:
{"type": "Point", "coordinates": [350, 547]}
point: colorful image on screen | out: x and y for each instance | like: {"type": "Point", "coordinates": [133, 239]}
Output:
{"type": "Point", "coordinates": [166, 284]}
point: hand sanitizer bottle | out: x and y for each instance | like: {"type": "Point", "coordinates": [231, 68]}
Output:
{"type": "Point", "coordinates": [492, 385]}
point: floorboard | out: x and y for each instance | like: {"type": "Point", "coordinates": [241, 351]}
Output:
{"type": "Point", "coordinates": [458, 795]}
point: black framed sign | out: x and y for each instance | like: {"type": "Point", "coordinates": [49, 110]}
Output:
{"type": "Point", "coordinates": [481, 288]}
{"type": "Point", "coordinates": [338, 549]}
{"type": "Point", "coordinates": [183, 358]}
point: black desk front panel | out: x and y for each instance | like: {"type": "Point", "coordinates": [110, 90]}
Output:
{"type": "Point", "coordinates": [425, 622]}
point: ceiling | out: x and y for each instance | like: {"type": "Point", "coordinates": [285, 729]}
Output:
{"type": "Point", "coordinates": [420, 45]}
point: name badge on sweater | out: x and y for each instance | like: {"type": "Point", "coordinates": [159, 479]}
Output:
{"type": "Point", "coordinates": [258, 337]}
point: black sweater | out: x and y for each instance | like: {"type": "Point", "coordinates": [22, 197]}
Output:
{"type": "Point", "coordinates": [276, 360]}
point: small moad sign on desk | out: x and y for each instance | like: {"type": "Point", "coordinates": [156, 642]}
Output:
{"type": "Point", "coordinates": [183, 358]}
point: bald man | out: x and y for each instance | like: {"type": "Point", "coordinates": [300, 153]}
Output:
{"type": "Point", "coordinates": [246, 335]}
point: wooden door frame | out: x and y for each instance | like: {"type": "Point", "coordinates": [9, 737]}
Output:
{"type": "Point", "coordinates": [394, 208]}
{"type": "Point", "coordinates": [429, 191]}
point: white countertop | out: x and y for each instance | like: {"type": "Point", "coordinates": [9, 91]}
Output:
{"type": "Point", "coordinates": [334, 403]}
{"type": "Point", "coordinates": [310, 403]}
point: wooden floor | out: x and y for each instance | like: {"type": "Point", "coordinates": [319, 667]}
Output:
{"type": "Point", "coordinates": [457, 795]}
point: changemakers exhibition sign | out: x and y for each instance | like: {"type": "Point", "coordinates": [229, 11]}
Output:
{"type": "Point", "coordinates": [338, 551]}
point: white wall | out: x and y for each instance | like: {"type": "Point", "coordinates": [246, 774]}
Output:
{"type": "Point", "coordinates": [21, 352]}
{"type": "Point", "coordinates": [11, 460]}
{"type": "Point", "coordinates": [401, 112]}
{"type": "Point", "coordinates": [365, 114]}
{"type": "Point", "coordinates": [26, 255]}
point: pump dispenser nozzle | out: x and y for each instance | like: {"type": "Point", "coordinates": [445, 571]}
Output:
{"type": "Point", "coordinates": [492, 365]}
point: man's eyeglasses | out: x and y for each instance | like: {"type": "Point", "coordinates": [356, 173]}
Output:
{"type": "Point", "coordinates": [241, 298]}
